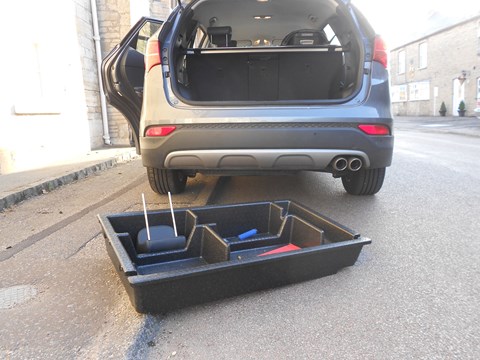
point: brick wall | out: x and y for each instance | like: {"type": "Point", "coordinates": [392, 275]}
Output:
{"type": "Point", "coordinates": [449, 53]}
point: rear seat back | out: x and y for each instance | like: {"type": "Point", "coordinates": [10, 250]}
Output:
{"type": "Point", "coordinates": [263, 77]}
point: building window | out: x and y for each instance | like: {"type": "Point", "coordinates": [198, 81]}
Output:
{"type": "Point", "coordinates": [401, 62]}
{"type": "Point", "coordinates": [422, 55]}
{"type": "Point", "coordinates": [399, 93]}
{"type": "Point", "coordinates": [419, 91]}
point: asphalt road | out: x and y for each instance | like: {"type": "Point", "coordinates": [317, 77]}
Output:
{"type": "Point", "coordinates": [413, 293]}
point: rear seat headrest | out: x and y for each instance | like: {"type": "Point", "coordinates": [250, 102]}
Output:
{"type": "Point", "coordinates": [220, 35]}
{"type": "Point", "coordinates": [306, 38]}
{"type": "Point", "coordinates": [219, 30]}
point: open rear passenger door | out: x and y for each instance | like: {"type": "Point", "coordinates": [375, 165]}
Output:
{"type": "Point", "coordinates": [123, 72]}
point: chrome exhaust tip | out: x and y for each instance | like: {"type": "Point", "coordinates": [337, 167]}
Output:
{"type": "Point", "coordinates": [354, 164]}
{"type": "Point", "coordinates": [340, 164]}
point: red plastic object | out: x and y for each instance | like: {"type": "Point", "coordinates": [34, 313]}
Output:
{"type": "Point", "coordinates": [282, 249]}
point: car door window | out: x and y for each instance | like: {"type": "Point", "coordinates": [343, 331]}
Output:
{"type": "Point", "coordinates": [140, 42]}
{"type": "Point", "coordinates": [200, 39]}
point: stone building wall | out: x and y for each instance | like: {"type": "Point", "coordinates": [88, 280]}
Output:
{"type": "Point", "coordinates": [453, 55]}
{"type": "Point", "coordinates": [43, 107]}
{"type": "Point", "coordinates": [50, 110]}
{"type": "Point", "coordinates": [89, 70]}
{"type": "Point", "coordinates": [114, 23]}
{"type": "Point", "coordinates": [160, 9]}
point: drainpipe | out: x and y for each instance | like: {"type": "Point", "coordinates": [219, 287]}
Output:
{"type": "Point", "coordinates": [98, 51]}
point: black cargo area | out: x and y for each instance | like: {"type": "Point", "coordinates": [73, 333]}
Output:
{"type": "Point", "coordinates": [265, 76]}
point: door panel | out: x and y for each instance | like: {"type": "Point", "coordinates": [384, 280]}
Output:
{"type": "Point", "coordinates": [458, 95]}
{"type": "Point", "coordinates": [123, 72]}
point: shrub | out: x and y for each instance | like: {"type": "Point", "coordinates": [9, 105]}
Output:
{"type": "Point", "coordinates": [443, 108]}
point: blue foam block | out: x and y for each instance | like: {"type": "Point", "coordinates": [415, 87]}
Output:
{"type": "Point", "coordinates": [247, 234]}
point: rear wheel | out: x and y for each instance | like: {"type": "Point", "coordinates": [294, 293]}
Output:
{"type": "Point", "coordinates": [163, 180]}
{"type": "Point", "coordinates": [364, 181]}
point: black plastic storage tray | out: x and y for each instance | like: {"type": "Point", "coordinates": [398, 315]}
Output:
{"type": "Point", "coordinates": [215, 263]}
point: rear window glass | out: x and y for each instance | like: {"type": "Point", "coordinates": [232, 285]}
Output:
{"type": "Point", "coordinates": [331, 36]}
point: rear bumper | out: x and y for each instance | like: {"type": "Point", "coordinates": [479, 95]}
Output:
{"type": "Point", "coordinates": [264, 147]}
{"type": "Point", "coordinates": [258, 159]}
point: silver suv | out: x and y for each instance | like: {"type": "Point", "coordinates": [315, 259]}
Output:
{"type": "Point", "coordinates": [235, 87]}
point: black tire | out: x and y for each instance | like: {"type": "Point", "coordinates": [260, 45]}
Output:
{"type": "Point", "coordinates": [163, 180]}
{"type": "Point", "coordinates": [364, 181]}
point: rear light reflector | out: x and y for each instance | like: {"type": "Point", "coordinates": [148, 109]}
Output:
{"type": "Point", "coordinates": [160, 130]}
{"type": "Point", "coordinates": [152, 55]}
{"type": "Point", "coordinates": [380, 52]}
{"type": "Point", "coordinates": [374, 129]}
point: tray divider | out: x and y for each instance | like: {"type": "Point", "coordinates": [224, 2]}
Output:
{"type": "Point", "coordinates": [127, 242]}
{"type": "Point", "coordinates": [124, 255]}
{"type": "Point", "coordinates": [191, 221]}
{"type": "Point", "coordinates": [304, 234]}
{"type": "Point", "coordinates": [275, 219]}
{"type": "Point", "coordinates": [214, 248]}
{"type": "Point", "coordinates": [334, 231]}
{"type": "Point", "coordinates": [257, 242]}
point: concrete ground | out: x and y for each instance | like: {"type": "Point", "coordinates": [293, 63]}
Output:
{"type": "Point", "coordinates": [469, 126]}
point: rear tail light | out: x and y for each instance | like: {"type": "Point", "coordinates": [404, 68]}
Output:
{"type": "Point", "coordinates": [160, 130]}
{"type": "Point", "coordinates": [374, 129]}
{"type": "Point", "coordinates": [152, 56]}
{"type": "Point", "coordinates": [380, 51]}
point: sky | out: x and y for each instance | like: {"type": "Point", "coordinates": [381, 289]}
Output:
{"type": "Point", "coordinates": [400, 20]}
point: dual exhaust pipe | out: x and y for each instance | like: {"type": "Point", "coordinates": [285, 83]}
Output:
{"type": "Point", "coordinates": [342, 163]}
